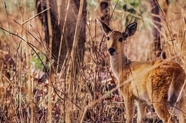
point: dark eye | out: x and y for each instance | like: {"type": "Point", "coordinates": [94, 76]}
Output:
{"type": "Point", "coordinates": [120, 39]}
{"type": "Point", "coordinates": [108, 38]}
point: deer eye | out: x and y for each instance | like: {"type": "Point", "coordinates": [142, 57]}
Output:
{"type": "Point", "coordinates": [108, 38]}
{"type": "Point", "coordinates": [120, 39]}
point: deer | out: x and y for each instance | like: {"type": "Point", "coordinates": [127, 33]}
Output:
{"type": "Point", "coordinates": [163, 86]}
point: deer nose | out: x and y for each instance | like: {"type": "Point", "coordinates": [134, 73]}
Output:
{"type": "Point", "coordinates": [111, 51]}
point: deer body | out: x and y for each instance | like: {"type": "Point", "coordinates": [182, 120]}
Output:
{"type": "Point", "coordinates": [161, 86]}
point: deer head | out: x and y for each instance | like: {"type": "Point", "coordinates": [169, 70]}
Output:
{"type": "Point", "coordinates": [116, 38]}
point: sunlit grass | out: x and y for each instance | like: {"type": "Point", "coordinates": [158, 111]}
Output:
{"type": "Point", "coordinates": [89, 98]}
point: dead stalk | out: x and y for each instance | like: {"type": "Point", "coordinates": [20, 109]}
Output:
{"type": "Point", "coordinates": [50, 59]}
{"type": "Point", "coordinates": [62, 34]}
{"type": "Point", "coordinates": [29, 19]}
{"type": "Point", "coordinates": [72, 65]}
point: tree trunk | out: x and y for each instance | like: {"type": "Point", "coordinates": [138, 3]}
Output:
{"type": "Point", "coordinates": [57, 27]}
{"type": "Point", "coordinates": [70, 27]}
{"type": "Point", "coordinates": [157, 43]}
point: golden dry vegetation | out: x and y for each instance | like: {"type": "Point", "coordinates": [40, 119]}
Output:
{"type": "Point", "coordinates": [86, 97]}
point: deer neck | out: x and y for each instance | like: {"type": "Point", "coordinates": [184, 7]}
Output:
{"type": "Point", "coordinates": [119, 62]}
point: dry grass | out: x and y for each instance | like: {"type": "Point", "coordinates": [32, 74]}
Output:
{"type": "Point", "coordinates": [25, 97]}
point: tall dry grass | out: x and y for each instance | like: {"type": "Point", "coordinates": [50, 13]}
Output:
{"type": "Point", "coordinates": [81, 92]}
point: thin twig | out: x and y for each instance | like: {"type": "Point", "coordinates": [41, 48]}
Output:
{"type": "Point", "coordinates": [35, 16]}
{"type": "Point", "coordinates": [62, 35]}
{"type": "Point", "coordinates": [114, 9]}
{"type": "Point", "coordinates": [31, 46]}
{"type": "Point", "coordinates": [50, 59]}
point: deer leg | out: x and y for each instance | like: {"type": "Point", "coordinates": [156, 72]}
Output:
{"type": "Point", "coordinates": [141, 112]}
{"type": "Point", "coordinates": [129, 108]}
{"type": "Point", "coordinates": [162, 112]}
{"type": "Point", "coordinates": [181, 111]}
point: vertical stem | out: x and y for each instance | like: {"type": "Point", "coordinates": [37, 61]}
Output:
{"type": "Point", "coordinates": [50, 57]}
{"type": "Point", "coordinates": [31, 90]}
{"type": "Point", "coordinates": [73, 58]}
{"type": "Point", "coordinates": [19, 82]}
{"type": "Point", "coordinates": [29, 82]}
{"type": "Point", "coordinates": [94, 68]}
{"type": "Point", "coordinates": [76, 35]}
{"type": "Point", "coordinates": [25, 49]}
{"type": "Point", "coordinates": [62, 34]}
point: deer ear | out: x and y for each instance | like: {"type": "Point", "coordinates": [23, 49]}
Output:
{"type": "Point", "coordinates": [130, 30]}
{"type": "Point", "coordinates": [104, 28]}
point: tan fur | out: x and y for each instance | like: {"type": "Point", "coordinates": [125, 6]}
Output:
{"type": "Point", "coordinates": [159, 86]}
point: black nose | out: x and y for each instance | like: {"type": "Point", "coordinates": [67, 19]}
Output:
{"type": "Point", "coordinates": [111, 51]}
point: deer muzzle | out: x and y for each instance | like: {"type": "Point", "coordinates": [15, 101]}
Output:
{"type": "Point", "coordinates": [111, 51]}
